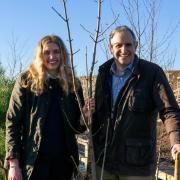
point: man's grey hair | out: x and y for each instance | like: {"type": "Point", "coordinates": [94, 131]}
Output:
{"type": "Point", "coordinates": [122, 29]}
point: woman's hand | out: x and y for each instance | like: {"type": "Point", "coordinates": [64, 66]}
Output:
{"type": "Point", "coordinates": [14, 170]}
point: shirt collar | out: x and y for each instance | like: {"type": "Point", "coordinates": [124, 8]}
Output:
{"type": "Point", "coordinates": [113, 69]}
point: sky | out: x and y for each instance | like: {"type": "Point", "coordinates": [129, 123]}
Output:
{"type": "Point", "coordinates": [24, 23]}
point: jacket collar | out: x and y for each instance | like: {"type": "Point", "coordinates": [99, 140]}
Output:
{"type": "Point", "coordinates": [105, 68]}
{"type": "Point", "coordinates": [136, 63]}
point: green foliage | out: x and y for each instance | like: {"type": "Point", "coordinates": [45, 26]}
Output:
{"type": "Point", "coordinates": [2, 142]}
{"type": "Point", "coordinates": [1, 175]}
{"type": "Point", "coordinates": [2, 71]}
{"type": "Point", "coordinates": [6, 86]}
{"type": "Point", "coordinates": [2, 150]}
{"type": "Point", "coordinates": [4, 99]}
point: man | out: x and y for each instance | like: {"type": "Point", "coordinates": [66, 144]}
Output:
{"type": "Point", "coordinates": [129, 94]}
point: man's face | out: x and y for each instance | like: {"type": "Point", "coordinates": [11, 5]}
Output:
{"type": "Point", "coordinates": [123, 48]}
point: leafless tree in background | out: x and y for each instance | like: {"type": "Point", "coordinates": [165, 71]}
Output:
{"type": "Point", "coordinates": [16, 58]}
{"type": "Point", "coordinates": [65, 18]}
{"type": "Point", "coordinates": [142, 15]}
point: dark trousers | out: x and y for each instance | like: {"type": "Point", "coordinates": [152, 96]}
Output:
{"type": "Point", "coordinates": [52, 168]}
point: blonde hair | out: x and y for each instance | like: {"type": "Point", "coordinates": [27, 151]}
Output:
{"type": "Point", "coordinates": [37, 72]}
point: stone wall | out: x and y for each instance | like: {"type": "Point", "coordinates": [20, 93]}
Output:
{"type": "Point", "coordinates": [172, 76]}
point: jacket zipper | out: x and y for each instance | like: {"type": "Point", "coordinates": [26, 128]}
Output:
{"type": "Point", "coordinates": [122, 109]}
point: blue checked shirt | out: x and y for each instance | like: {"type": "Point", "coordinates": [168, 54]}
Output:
{"type": "Point", "coordinates": [118, 81]}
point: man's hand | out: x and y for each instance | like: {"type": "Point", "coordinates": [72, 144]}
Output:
{"type": "Point", "coordinates": [174, 150]}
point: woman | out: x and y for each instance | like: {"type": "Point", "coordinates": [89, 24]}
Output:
{"type": "Point", "coordinates": [43, 117]}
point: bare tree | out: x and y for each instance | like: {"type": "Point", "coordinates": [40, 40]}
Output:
{"type": "Point", "coordinates": [16, 58]}
{"type": "Point", "coordinates": [150, 46]}
{"type": "Point", "coordinates": [66, 20]}
{"type": "Point", "coordinates": [96, 39]}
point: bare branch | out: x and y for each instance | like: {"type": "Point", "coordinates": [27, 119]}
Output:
{"type": "Point", "coordinates": [58, 14]}
{"type": "Point", "coordinates": [110, 25]}
{"type": "Point", "coordinates": [76, 51]}
{"type": "Point", "coordinates": [86, 29]}
{"type": "Point", "coordinates": [87, 73]}
{"type": "Point", "coordinates": [114, 15]}
{"type": "Point", "coordinates": [72, 62]}
{"type": "Point", "coordinates": [16, 57]}
{"type": "Point", "coordinates": [146, 30]}
{"type": "Point", "coordinates": [95, 44]}
{"type": "Point", "coordinates": [92, 38]}
{"type": "Point", "coordinates": [100, 40]}
{"type": "Point", "coordinates": [105, 148]}
{"type": "Point", "coordinates": [93, 169]}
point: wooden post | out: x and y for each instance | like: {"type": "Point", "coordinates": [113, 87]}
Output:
{"type": "Point", "coordinates": [177, 167]}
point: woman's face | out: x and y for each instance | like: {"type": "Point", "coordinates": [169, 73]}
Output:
{"type": "Point", "coordinates": [51, 57]}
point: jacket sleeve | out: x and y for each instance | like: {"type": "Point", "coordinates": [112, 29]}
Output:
{"type": "Point", "coordinates": [96, 121]}
{"type": "Point", "coordinates": [81, 97]}
{"type": "Point", "coordinates": [167, 106]}
{"type": "Point", "coordinates": [14, 118]}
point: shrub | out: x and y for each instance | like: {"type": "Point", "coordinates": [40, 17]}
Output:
{"type": "Point", "coordinates": [2, 150]}
{"type": "Point", "coordinates": [6, 86]}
